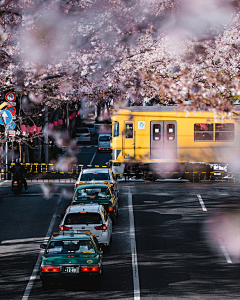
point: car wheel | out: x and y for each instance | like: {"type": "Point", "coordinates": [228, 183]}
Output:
{"type": "Point", "coordinates": [46, 285]}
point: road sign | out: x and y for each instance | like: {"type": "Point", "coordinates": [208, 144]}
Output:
{"type": "Point", "coordinates": [11, 125]}
{"type": "Point", "coordinates": [11, 132]}
{"type": "Point", "coordinates": [10, 97]}
{"type": "Point", "coordinates": [2, 105]}
{"type": "Point", "coordinates": [11, 109]}
{"type": "Point", "coordinates": [7, 117]}
{"type": "Point", "coordinates": [11, 103]}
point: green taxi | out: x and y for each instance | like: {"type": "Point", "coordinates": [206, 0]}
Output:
{"type": "Point", "coordinates": [102, 194]}
{"type": "Point", "coordinates": [71, 257]}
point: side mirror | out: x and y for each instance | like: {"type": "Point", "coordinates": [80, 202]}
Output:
{"type": "Point", "coordinates": [60, 216]}
{"type": "Point", "coordinates": [43, 246]}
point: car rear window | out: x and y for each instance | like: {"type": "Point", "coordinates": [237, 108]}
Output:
{"type": "Point", "coordinates": [104, 138]}
{"type": "Point", "coordinates": [95, 176]}
{"type": "Point", "coordinates": [70, 246]}
{"type": "Point", "coordinates": [83, 218]}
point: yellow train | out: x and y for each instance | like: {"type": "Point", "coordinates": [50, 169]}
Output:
{"type": "Point", "coordinates": [165, 141]}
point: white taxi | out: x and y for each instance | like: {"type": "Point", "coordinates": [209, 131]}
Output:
{"type": "Point", "coordinates": [89, 217]}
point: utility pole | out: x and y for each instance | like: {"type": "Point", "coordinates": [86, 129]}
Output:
{"type": "Point", "coordinates": [12, 150]}
{"type": "Point", "coordinates": [46, 135]}
{"type": "Point", "coordinates": [67, 118]}
{"type": "Point", "coordinates": [6, 160]}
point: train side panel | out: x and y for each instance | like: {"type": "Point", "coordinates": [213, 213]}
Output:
{"type": "Point", "coordinates": [171, 137]}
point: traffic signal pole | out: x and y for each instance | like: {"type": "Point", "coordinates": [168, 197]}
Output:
{"type": "Point", "coordinates": [6, 160]}
{"type": "Point", "coordinates": [46, 135]}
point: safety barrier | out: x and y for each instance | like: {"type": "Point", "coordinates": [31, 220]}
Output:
{"type": "Point", "coordinates": [54, 168]}
{"type": "Point", "coordinates": [36, 171]}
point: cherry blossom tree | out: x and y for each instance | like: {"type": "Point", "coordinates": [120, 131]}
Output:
{"type": "Point", "coordinates": [58, 52]}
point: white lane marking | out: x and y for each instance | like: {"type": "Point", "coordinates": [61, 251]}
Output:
{"type": "Point", "coordinates": [201, 202]}
{"type": "Point", "coordinates": [37, 265]}
{"type": "Point", "coordinates": [93, 158]}
{"type": "Point", "coordinates": [224, 250]}
{"type": "Point", "coordinates": [136, 285]}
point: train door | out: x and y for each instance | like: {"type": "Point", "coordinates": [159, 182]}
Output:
{"type": "Point", "coordinates": [129, 140]}
{"type": "Point", "coordinates": [163, 140]}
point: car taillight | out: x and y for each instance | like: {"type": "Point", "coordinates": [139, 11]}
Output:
{"type": "Point", "coordinates": [102, 227]}
{"type": "Point", "coordinates": [50, 269]}
{"type": "Point", "coordinates": [110, 208]}
{"type": "Point", "coordinates": [63, 228]}
{"type": "Point", "coordinates": [99, 148]}
{"type": "Point", "coordinates": [14, 181]}
{"type": "Point", "coordinates": [112, 184]}
{"type": "Point", "coordinates": [77, 184]}
{"type": "Point", "coordinates": [87, 135]}
{"type": "Point", "coordinates": [92, 268]}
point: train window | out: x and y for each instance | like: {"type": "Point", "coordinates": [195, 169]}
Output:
{"type": "Point", "coordinates": [129, 130]}
{"type": "Point", "coordinates": [224, 132]}
{"type": "Point", "coordinates": [156, 132]}
{"type": "Point", "coordinates": [116, 129]}
{"type": "Point", "coordinates": [170, 132]}
{"type": "Point", "coordinates": [203, 132]}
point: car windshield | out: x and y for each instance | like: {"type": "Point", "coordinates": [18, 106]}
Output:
{"type": "Point", "coordinates": [95, 176]}
{"type": "Point", "coordinates": [83, 218]}
{"type": "Point", "coordinates": [95, 193]}
{"type": "Point", "coordinates": [70, 246]}
{"type": "Point", "coordinates": [104, 138]}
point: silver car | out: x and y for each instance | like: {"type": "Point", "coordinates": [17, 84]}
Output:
{"type": "Point", "coordinates": [83, 134]}
{"type": "Point", "coordinates": [89, 217]}
{"type": "Point", "coordinates": [104, 142]}
{"type": "Point", "coordinates": [91, 127]}
{"type": "Point", "coordinates": [97, 175]}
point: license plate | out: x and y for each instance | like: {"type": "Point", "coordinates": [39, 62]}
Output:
{"type": "Point", "coordinates": [81, 231]}
{"type": "Point", "coordinates": [70, 269]}
{"type": "Point", "coordinates": [15, 184]}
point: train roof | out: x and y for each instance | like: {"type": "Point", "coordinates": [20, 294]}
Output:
{"type": "Point", "coordinates": [152, 108]}
{"type": "Point", "coordinates": [173, 108]}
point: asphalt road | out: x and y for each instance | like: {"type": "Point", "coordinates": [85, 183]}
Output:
{"type": "Point", "coordinates": [88, 153]}
{"type": "Point", "coordinates": [173, 259]}
{"type": "Point", "coordinates": [173, 239]}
